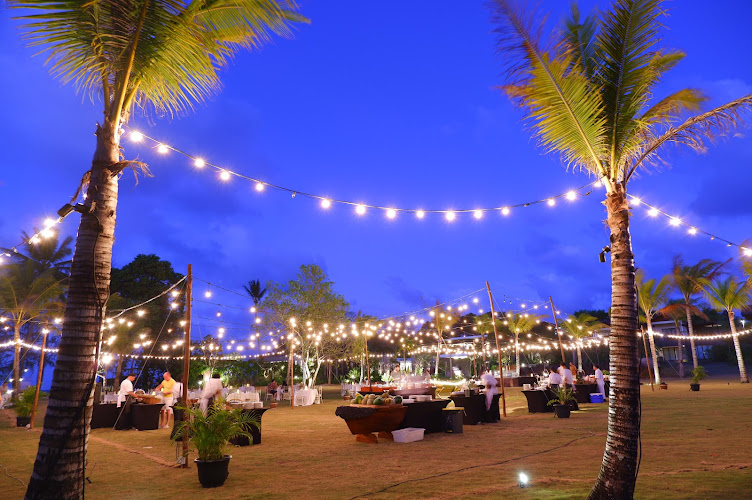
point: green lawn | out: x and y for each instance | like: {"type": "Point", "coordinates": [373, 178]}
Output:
{"type": "Point", "coordinates": [695, 445]}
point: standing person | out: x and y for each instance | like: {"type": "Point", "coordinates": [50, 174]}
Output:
{"type": "Point", "coordinates": [554, 379]}
{"type": "Point", "coordinates": [126, 389]}
{"type": "Point", "coordinates": [566, 376]}
{"type": "Point", "coordinates": [272, 389]}
{"type": "Point", "coordinates": [396, 374]}
{"type": "Point", "coordinates": [599, 380]}
{"type": "Point", "coordinates": [212, 389]}
{"type": "Point", "coordinates": [167, 386]}
{"type": "Point", "coordinates": [489, 382]}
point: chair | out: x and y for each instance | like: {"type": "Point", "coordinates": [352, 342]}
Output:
{"type": "Point", "coordinates": [299, 399]}
{"type": "Point", "coordinates": [286, 395]}
{"type": "Point", "coordinates": [319, 394]}
{"type": "Point", "coordinates": [269, 395]}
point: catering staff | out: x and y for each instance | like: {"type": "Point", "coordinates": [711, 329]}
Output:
{"type": "Point", "coordinates": [167, 386]}
{"type": "Point", "coordinates": [554, 379]}
{"type": "Point", "coordinates": [599, 380]}
{"type": "Point", "coordinates": [126, 389]}
{"type": "Point", "coordinates": [489, 381]}
{"type": "Point", "coordinates": [396, 374]}
{"type": "Point", "coordinates": [566, 375]}
{"type": "Point", "coordinates": [212, 389]}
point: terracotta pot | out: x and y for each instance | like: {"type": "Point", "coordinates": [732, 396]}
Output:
{"type": "Point", "coordinates": [273, 405]}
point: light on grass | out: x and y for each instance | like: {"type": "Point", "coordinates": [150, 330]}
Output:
{"type": "Point", "coordinates": [523, 479]}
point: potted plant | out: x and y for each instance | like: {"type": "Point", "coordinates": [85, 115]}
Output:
{"type": "Point", "coordinates": [698, 374]}
{"type": "Point", "coordinates": [562, 402]}
{"type": "Point", "coordinates": [210, 435]}
{"type": "Point", "coordinates": [24, 404]}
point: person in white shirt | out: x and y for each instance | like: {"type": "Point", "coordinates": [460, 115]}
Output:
{"type": "Point", "coordinates": [554, 379]}
{"type": "Point", "coordinates": [599, 380]}
{"type": "Point", "coordinates": [490, 383]}
{"type": "Point", "coordinates": [126, 389]}
{"type": "Point", "coordinates": [566, 375]}
{"type": "Point", "coordinates": [212, 389]}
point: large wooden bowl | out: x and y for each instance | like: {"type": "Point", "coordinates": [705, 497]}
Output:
{"type": "Point", "coordinates": [364, 420]}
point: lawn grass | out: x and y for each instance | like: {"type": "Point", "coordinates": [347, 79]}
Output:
{"type": "Point", "coordinates": [695, 445]}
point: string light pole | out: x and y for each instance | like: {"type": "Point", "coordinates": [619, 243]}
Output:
{"type": "Point", "coordinates": [647, 359]}
{"type": "Point", "coordinates": [556, 325]}
{"type": "Point", "coordinates": [39, 377]}
{"type": "Point", "coordinates": [291, 363]}
{"type": "Point", "coordinates": [187, 354]}
{"type": "Point", "coordinates": [498, 352]}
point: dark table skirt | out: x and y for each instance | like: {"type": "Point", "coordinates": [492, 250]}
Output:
{"type": "Point", "coordinates": [426, 415]}
{"type": "Point", "coordinates": [145, 417]}
{"type": "Point", "coordinates": [537, 401]}
{"type": "Point", "coordinates": [255, 431]}
{"type": "Point", "coordinates": [103, 415]}
{"type": "Point", "coordinates": [475, 409]}
{"type": "Point", "coordinates": [519, 381]}
{"type": "Point", "coordinates": [582, 394]}
{"type": "Point", "coordinates": [423, 391]}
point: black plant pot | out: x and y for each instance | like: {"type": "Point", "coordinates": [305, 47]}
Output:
{"type": "Point", "coordinates": [562, 411]}
{"type": "Point", "coordinates": [23, 421]}
{"type": "Point", "coordinates": [694, 387]}
{"type": "Point", "coordinates": [213, 473]}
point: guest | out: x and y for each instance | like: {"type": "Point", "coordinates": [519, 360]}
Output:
{"type": "Point", "coordinates": [396, 374]}
{"type": "Point", "coordinates": [4, 394]}
{"type": "Point", "coordinates": [167, 387]}
{"type": "Point", "coordinates": [272, 388]}
{"type": "Point", "coordinates": [573, 369]}
{"type": "Point", "coordinates": [554, 379]}
{"type": "Point", "coordinates": [212, 389]}
{"type": "Point", "coordinates": [599, 380]}
{"type": "Point", "coordinates": [126, 389]}
{"type": "Point", "coordinates": [282, 390]}
{"type": "Point", "coordinates": [567, 378]}
{"type": "Point", "coordinates": [427, 376]}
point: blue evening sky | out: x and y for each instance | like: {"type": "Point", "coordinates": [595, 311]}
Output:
{"type": "Point", "coordinates": [393, 104]}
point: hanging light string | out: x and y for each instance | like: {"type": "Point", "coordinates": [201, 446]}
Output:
{"type": "Point", "coordinates": [225, 174]}
{"type": "Point", "coordinates": [675, 221]}
{"type": "Point", "coordinates": [47, 231]}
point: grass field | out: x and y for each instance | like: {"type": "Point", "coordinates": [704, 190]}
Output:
{"type": "Point", "coordinates": [695, 445]}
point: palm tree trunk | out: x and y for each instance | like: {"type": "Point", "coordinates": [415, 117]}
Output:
{"type": "Point", "coordinates": [517, 353]}
{"type": "Point", "coordinates": [59, 466]}
{"type": "Point", "coordinates": [654, 353]}
{"type": "Point", "coordinates": [579, 358]}
{"type": "Point", "coordinates": [738, 348]}
{"type": "Point", "coordinates": [691, 331]}
{"type": "Point", "coordinates": [16, 384]}
{"type": "Point", "coordinates": [618, 470]}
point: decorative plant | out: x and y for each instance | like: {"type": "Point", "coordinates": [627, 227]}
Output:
{"type": "Point", "coordinates": [698, 374]}
{"type": "Point", "coordinates": [211, 433]}
{"type": "Point", "coordinates": [563, 396]}
{"type": "Point", "coordinates": [26, 401]}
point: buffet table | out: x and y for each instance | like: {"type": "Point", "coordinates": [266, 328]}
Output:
{"type": "Point", "coordinates": [145, 417]}
{"type": "Point", "coordinates": [537, 400]}
{"type": "Point", "coordinates": [103, 415]}
{"type": "Point", "coordinates": [519, 381]}
{"type": "Point", "coordinates": [475, 409]}
{"type": "Point", "coordinates": [255, 431]}
{"type": "Point", "coordinates": [582, 392]}
{"type": "Point", "coordinates": [425, 415]}
{"type": "Point", "coordinates": [416, 391]}
{"type": "Point", "coordinates": [364, 390]}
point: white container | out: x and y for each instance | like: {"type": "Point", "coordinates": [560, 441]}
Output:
{"type": "Point", "coordinates": [408, 401]}
{"type": "Point", "coordinates": [408, 435]}
{"type": "Point", "coordinates": [526, 387]}
{"type": "Point", "coordinates": [422, 397]}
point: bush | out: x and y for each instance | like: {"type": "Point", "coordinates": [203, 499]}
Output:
{"type": "Point", "coordinates": [25, 401]}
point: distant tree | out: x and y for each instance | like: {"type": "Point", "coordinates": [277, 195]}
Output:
{"type": "Point", "coordinates": [256, 293]}
{"type": "Point", "coordinates": [599, 314]}
{"type": "Point", "coordinates": [729, 295]}
{"type": "Point", "coordinates": [651, 296]}
{"type": "Point", "coordinates": [520, 323]}
{"type": "Point", "coordinates": [47, 254]}
{"type": "Point", "coordinates": [580, 326]}
{"type": "Point", "coordinates": [688, 282]}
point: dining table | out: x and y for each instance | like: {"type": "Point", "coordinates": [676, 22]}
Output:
{"type": "Point", "coordinates": [425, 415]}
{"type": "Point", "coordinates": [304, 397]}
{"type": "Point", "coordinates": [537, 400]}
{"type": "Point", "coordinates": [475, 408]}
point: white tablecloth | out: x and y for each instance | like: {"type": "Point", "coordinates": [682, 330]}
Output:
{"type": "Point", "coordinates": [305, 397]}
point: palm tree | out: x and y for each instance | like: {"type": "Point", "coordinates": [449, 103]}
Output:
{"type": "Point", "coordinates": [580, 326]}
{"type": "Point", "coordinates": [520, 323]}
{"type": "Point", "coordinates": [159, 56]}
{"type": "Point", "coordinates": [651, 296]}
{"type": "Point", "coordinates": [27, 297]}
{"type": "Point", "coordinates": [47, 253]}
{"type": "Point", "coordinates": [587, 92]}
{"type": "Point", "coordinates": [676, 310]}
{"type": "Point", "coordinates": [688, 281]}
{"type": "Point", "coordinates": [728, 295]}
{"type": "Point", "coordinates": [256, 293]}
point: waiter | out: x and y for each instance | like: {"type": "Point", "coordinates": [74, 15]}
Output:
{"type": "Point", "coordinates": [599, 380]}
{"type": "Point", "coordinates": [489, 381]}
{"type": "Point", "coordinates": [126, 389]}
{"type": "Point", "coordinates": [212, 389]}
{"type": "Point", "coordinates": [167, 386]}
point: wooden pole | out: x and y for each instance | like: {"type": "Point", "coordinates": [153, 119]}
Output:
{"type": "Point", "coordinates": [291, 369]}
{"type": "Point", "coordinates": [187, 355]}
{"type": "Point", "coordinates": [368, 361]}
{"type": "Point", "coordinates": [556, 325]}
{"type": "Point", "coordinates": [498, 352]}
{"type": "Point", "coordinates": [39, 378]}
{"type": "Point", "coordinates": [647, 358]}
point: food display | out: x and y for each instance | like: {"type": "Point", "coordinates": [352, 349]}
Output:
{"type": "Point", "coordinates": [374, 400]}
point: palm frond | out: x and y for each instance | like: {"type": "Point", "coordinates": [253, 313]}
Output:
{"type": "Point", "coordinates": [695, 132]}
{"type": "Point", "coordinates": [579, 41]}
{"type": "Point", "coordinates": [565, 115]}
{"type": "Point", "coordinates": [651, 294]}
{"type": "Point", "coordinates": [728, 294]}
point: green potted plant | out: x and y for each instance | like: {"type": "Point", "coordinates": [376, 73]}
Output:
{"type": "Point", "coordinates": [210, 435]}
{"type": "Point", "coordinates": [562, 402]}
{"type": "Point", "coordinates": [24, 404]}
{"type": "Point", "coordinates": [698, 374]}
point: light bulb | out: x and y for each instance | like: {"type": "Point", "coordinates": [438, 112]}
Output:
{"type": "Point", "coordinates": [551, 202]}
{"type": "Point", "coordinates": [675, 221]}
{"type": "Point", "coordinates": [450, 216]}
{"type": "Point", "coordinates": [259, 186]}
{"type": "Point", "coordinates": [478, 214]}
{"type": "Point", "coordinates": [692, 231]}
{"type": "Point", "coordinates": [325, 203]}
{"type": "Point", "coordinates": [391, 213]}
{"type": "Point", "coordinates": [571, 195]}
{"type": "Point", "coordinates": [653, 212]}
{"type": "Point", "coordinates": [505, 211]}
{"type": "Point", "coordinates": [162, 149]}
{"type": "Point", "coordinates": [360, 209]}
{"type": "Point", "coordinates": [199, 163]}
{"type": "Point", "coordinates": [635, 201]}
{"type": "Point", "coordinates": [137, 136]}
{"type": "Point", "coordinates": [224, 175]}
{"type": "Point", "coordinates": [420, 214]}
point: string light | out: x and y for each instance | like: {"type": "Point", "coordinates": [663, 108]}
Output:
{"type": "Point", "coordinates": [326, 203]}
{"type": "Point", "coordinates": [360, 209]}
{"type": "Point", "coordinates": [505, 211]}
{"type": "Point", "coordinates": [162, 149]}
{"type": "Point", "coordinates": [224, 175]}
{"type": "Point", "coordinates": [450, 216]}
{"type": "Point", "coordinates": [259, 186]}
{"type": "Point", "coordinates": [391, 213]}
{"type": "Point", "coordinates": [199, 163]}
{"type": "Point", "coordinates": [551, 202]}
{"type": "Point", "coordinates": [478, 214]}
{"type": "Point", "coordinates": [420, 214]}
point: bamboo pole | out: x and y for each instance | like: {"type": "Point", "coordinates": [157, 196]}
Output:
{"type": "Point", "coordinates": [556, 325]}
{"type": "Point", "coordinates": [498, 351]}
{"type": "Point", "coordinates": [187, 355]}
{"type": "Point", "coordinates": [39, 378]}
{"type": "Point", "coordinates": [368, 361]}
{"type": "Point", "coordinates": [647, 358]}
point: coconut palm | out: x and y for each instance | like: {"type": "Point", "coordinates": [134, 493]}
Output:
{"type": "Point", "coordinates": [27, 298]}
{"type": "Point", "coordinates": [256, 293]}
{"type": "Point", "coordinates": [588, 92]}
{"type": "Point", "coordinates": [687, 281]}
{"type": "Point", "coordinates": [160, 56]}
{"type": "Point", "coordinates": [518, 323]}
{"type": "Point", "coordinates": [580, 326]}
{"type": "Point", "coordinates": [47, 253]}
{"type": "Point", "coordinates": [651, 296]}
{"type": "Point", "coordinates": [729, 295]}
